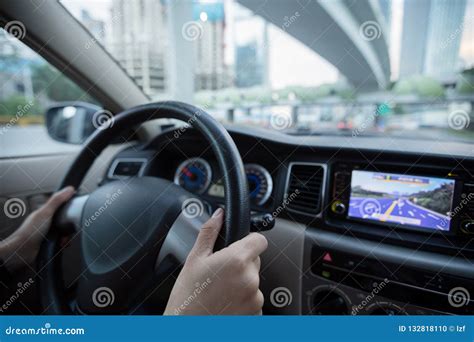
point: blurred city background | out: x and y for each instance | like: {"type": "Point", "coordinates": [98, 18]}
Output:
{"type": "Point", "coordinates": [323, 67]}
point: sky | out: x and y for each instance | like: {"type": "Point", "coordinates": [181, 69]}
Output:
{"type": "Point", "coordinates": [366, 181]}
{"type": "Point", "coordinates": [302, 66]}
{"type": "Point", "coordinates": [467, 43]}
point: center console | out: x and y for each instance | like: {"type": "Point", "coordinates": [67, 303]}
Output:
{"type": "Point", "coordinates": [400, 243]}
{"type": "Point", "coordinates": [362, 277]}
{"type": "Point", "coordinates": [403, 198]}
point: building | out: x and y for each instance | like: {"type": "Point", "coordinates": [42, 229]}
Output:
{"type": "Point", "coordinates": [251, 49]}
{"type": "Point", "coordinates": [248, 66]}
{"type": "Point", "coordinates": [416, 19]}
{"type": "Point", "coordinates": [211, 71]}
{"type": "Point", "coordinates": [94, 26]}
{"type": "Point", "coordinates": [445, 31]}
{"type": "Point", "coordinates": [386, 9]}
{"type": "Point", "coordinates": [15, 72]}
{"type": "Point", "coordinates": [138, 41]}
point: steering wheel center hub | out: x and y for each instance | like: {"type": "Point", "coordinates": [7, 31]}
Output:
{"type": "Point", "coordinates": [122, 217]}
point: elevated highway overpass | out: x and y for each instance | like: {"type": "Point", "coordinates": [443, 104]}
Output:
{"type": "Point", "coordinates": [349, 34]}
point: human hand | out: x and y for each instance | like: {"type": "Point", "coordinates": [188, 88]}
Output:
{"type": "Point", "coordinates": [222, 283]}
{"type": "Point", "coordinates": [22, 246]}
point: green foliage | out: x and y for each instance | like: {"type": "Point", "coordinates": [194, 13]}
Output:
{"type": "Point", "coordinates": [465, 83]}
{"type": "Point", "coordinates": [56, 86]}
{"type": "Point", "coordinates": [19, 106]}
{"type": "Point", "coordinates": [358, 191]}
{"type": "Point", "coordinates": [438, 199]}
{"type": "Point", "coordinates": [261, 95]}
{"type": "Point", "coordinates": [422, 86]}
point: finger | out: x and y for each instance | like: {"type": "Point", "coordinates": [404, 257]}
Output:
{"type": "Point", "coordinates": [207, 237]}
{"type": "Point", "coordinates": [257, 263]}
{"type": "Point", "coordinates": [250, 246]}
{"type": "Point", "coordinates": [258, 302]}
{"type": "Point", "coordinates": [58, 198]}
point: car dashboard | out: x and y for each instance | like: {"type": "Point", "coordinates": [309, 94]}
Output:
{"type": "Point", "coordinates": [356, 219]}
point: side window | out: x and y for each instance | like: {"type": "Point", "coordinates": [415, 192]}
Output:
{"type": "Point", "coordinates": [29, 85]}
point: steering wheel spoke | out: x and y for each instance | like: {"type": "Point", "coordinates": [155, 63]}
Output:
{"type": "Point", "coordinates": [181, 237]}
{"type": "Point", "coordinates": [68, 219]}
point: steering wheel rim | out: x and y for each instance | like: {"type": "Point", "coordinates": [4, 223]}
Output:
{"type": "Point", "coordinates": [237, 214]}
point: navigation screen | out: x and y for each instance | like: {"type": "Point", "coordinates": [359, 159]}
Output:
{"type": "Point", "coordinates": [423, 202]}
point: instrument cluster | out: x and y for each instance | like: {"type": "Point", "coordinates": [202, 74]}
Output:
{"type": "Point", "coordinates": [196, 176]}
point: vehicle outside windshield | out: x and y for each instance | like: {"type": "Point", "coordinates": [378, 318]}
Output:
{"type": "Point", "coordinates": [360, 68]}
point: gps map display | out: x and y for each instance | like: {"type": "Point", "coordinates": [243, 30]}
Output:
{"type": "Point", "coordinates": [423, 202]}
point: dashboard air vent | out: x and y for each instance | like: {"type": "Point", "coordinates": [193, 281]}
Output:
{"type": "Point", "coordinates": [127, 167]}
{"type": "Point", "coordinates": [304, 188]}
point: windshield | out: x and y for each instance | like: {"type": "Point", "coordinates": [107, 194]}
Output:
{"type": "Point", "coordinates": [356, 68]}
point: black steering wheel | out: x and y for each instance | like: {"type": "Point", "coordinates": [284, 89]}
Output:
{"type": "Point", "coordinates": [123, 226]}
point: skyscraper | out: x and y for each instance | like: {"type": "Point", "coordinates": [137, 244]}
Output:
{"type": "Point", "coordinates": [416, 18]}
{"type": "Point", "coordinates": [249, 69]}
{"type": "Point", "coordinates": [386, 8]}
{"type": "Point", "coordinates": [211, 71]}
{"type": "Point", "coordinates": [15, 72]}
{"type": "Point", "coordinates": [444, 38]}
{"type": "Point", "coordinates": [251, 49]}
{"type": "Point", "coordinates": [94, 26]}
{"type": "Point", "coordinates": [137, 42]}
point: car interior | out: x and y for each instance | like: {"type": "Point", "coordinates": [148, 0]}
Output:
{"type": "Point", "coordinates": [357, 224]}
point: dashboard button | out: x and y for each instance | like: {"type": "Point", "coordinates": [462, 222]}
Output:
{"type": "Point", "coordinates": [468, 227]}
{"type": "Point", "coordinates": [338, 207]}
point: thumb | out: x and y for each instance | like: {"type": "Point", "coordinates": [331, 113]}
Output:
{"type": "Point", "coordinates": [207, 237]}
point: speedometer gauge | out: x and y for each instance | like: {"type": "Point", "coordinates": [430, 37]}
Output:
{"type": "Point", "coordinates": [193, 175]}
{"type": "Point", "coordinates": [260, 183]}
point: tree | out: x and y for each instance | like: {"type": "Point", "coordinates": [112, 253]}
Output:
{"type": "Point", "coordinates": [19, 106]}
{"type": "Point", "coordinates": [56, 86]}
{"type": "Point", "coordinates": [465, 84]}
{"type": "Point", "coordinates": [420, 85]}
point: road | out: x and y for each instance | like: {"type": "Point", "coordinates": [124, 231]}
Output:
{"type": "Point", "coordinates": [399, 210]}
{"type": "Point", "coordinates": [18, 141]}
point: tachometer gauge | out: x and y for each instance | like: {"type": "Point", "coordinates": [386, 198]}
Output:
{"type": "Point", "coordinates": [194, 175]}
{"type": "Point", "coordinates": [260, 183]}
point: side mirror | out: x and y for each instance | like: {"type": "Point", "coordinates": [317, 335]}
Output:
{"type": "Point", "coordinates": [72, 122]}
